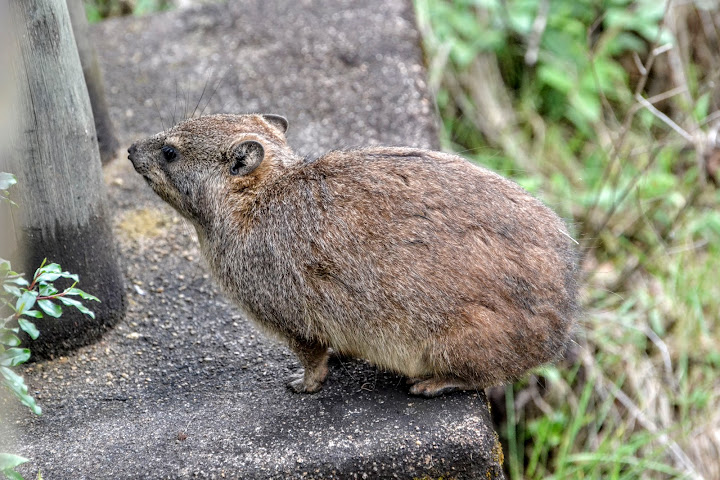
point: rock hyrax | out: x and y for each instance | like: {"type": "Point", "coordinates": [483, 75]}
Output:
{"type": "Point", "coordinates": [417, 261]}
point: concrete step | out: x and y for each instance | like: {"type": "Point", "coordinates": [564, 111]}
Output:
{"type": "Point", "coordinates": [185, 386]}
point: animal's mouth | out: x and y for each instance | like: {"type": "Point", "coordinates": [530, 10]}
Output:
{"type": "Point", "coordinates": [154, 184]}
{"type": "Point", "coordinates": [142, 170]}
{"type": "Point", "coordinates": [139, 167]}
{"type": "Point", "coordinates": [136, 155]}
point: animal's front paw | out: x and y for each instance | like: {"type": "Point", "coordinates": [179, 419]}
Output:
{"type": "Point", "coordinates": [299, 374]}
{"type": "Point", "coordinates": [299, 385]}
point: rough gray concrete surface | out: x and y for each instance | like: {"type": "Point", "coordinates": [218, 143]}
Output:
{"type": "Point", "coordinates": [185, 387]}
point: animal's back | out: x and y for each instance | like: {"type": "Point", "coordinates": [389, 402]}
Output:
{"type": "Point", "coordinates": [417, 261]}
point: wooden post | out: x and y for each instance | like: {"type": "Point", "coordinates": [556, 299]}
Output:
{"type": "Point", "coordinates": [63, 212]}
{"type": "Point", "coordinates": [7, 101]}
{"type": "Point", "coordinates": [107, 141]}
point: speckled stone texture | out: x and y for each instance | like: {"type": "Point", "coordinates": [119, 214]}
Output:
{"type": "Point", "coordinates": [185, 387]}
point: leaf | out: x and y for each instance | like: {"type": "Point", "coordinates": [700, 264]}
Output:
{"type": "Point", "coordinates": [29, 402]}
{"type": "Point", "coordinates": [657, 185]}
{"type": "Point", "coordinates": [74, 303]}
{"type": "Point", "coordinates": [465, 25]}
{"type": "Point", "coordinates": [50, 268]}
{"type": "Point", "coordinates": [5, 198]}
{"type": "Point", "coordinates": [587, 104]}
{"type": "Point", "coordinates": [4, 265]}
{"type": "Point", "coordinates": [52, 309]}
{"type": "Point", "coordinates": [701, 107]}
{"type": "Point", "coordinates": [12, 378]}
{"type": "Point", "coordinates": [72, 276]}
{"type": "Point", "coordinates": [10, 339]}
{"type": "Point", "coordinates": [93, 13]}
{"type": "Point", "coordinates": [17, 281]}
{"type": "Point", "coordinates": [609, 76]}
{"type": "Point", "coordinates": [558, 78]}
{"type": "Point", "coordinates": [12, 290]}
{"type": "Point", "coordinates": [46, 290]}
{"type": "Point", "coordinates": [29, 328]}
{"type": "Point", "coordinates": [521, 20]}
{"type": "Point", "coordinates": [7, 180]}
{"type": "Point", "coordinates": [8, 461]}
{"type": "Point", "coordinates": [83, 295]}
{"type": "Point", "coordinates": [33, 313]}
{"type": "Point", "coordinates": [25, 302]}
{"type": "Point", "coordinates": [13, 357]}
{"type": "Point", "coordinates": [16, 384]}
{"type": "Point", "coordinates": [622, 19]}
{"type": "Point", "coordinates": [6, 329]}
{"type": "Point", "coordinates": [12, 475]}
{"type": "Point", "coordinates": [47, 277]}
{"type": "Point", "coordinates": [52, 272]}
{"type": "Point", "coordinates": [462, 53]}
{"type": "Point", "coordinates": [623, 42]}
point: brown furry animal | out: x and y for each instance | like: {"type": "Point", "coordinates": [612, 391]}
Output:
{"type": "Point", "coordinates": [417, 261]}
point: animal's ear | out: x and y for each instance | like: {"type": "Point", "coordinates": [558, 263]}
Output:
{"type": "Point", "coordinates": [277, 121]}
{"type": "Point", "coordinates": [245, 157]}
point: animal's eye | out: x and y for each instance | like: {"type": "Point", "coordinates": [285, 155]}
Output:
{"type": "Point", "coordinates": [169, 153]}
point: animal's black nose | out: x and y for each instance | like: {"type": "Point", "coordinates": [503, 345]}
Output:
{"type": "Point", "coordinates": [131, 152]}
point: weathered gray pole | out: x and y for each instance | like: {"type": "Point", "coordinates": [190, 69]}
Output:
{"type": "Point", "coordinates": [107, 141]}
{"type": "Point", "coordinates": [63, 213]}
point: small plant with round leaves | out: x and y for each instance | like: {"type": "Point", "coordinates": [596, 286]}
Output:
{"type": "Point", "coordinates": [20, 302]}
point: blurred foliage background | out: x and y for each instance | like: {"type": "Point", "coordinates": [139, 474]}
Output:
{"type": "Point", "coordinates": [101, 9]}
{"type": "Point", "coordinates": [609, 111]}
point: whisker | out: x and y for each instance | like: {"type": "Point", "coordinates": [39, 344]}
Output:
{"type": "Point", "coordinates": [233, 100]}
{"type": "Point", "coordinates": [217, 85]}
{"type": "Point", "coordinates": [207, 80]}
{"type": "Point", "coordinates": [187, 103]}
{"type": "Point", "coordinates": [162, 121]}
{"type": "Point", "coordinates": [176, 101]}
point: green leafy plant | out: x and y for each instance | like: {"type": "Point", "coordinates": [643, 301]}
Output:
{"type": "Point", "coordinates": [20, 301]}
{"type": "Point", "coordinates": [98, 10]}
{"type": "Point", "coordinates": [7, 180]}
{"type": "Point", "coordinates": [27, 300]}
{"type": "Point", "coordinates": [8, 463]}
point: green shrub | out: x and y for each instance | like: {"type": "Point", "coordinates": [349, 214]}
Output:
{"type": "Point", "coordinates": [97, 10]}
{"type": "Point", "coordinates": [20, 301]}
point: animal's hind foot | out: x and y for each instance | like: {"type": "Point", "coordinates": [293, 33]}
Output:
{"type": "Point", "coordinates": [434, 387]}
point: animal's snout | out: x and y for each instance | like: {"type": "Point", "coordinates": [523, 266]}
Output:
{"type": "Point", "coordinates": [131, 152]}
{"type": "Point", "coordinates": [137, 157]}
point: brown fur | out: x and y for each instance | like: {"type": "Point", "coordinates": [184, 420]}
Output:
{"type": "Point", "coordinates": [417, 261]}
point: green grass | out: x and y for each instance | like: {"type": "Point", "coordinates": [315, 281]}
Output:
{"type": "Point", "coordinates": [643, 398]}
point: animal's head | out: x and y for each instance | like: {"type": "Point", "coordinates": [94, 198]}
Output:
{"type": "Point", "coordinates": [195, 164]}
